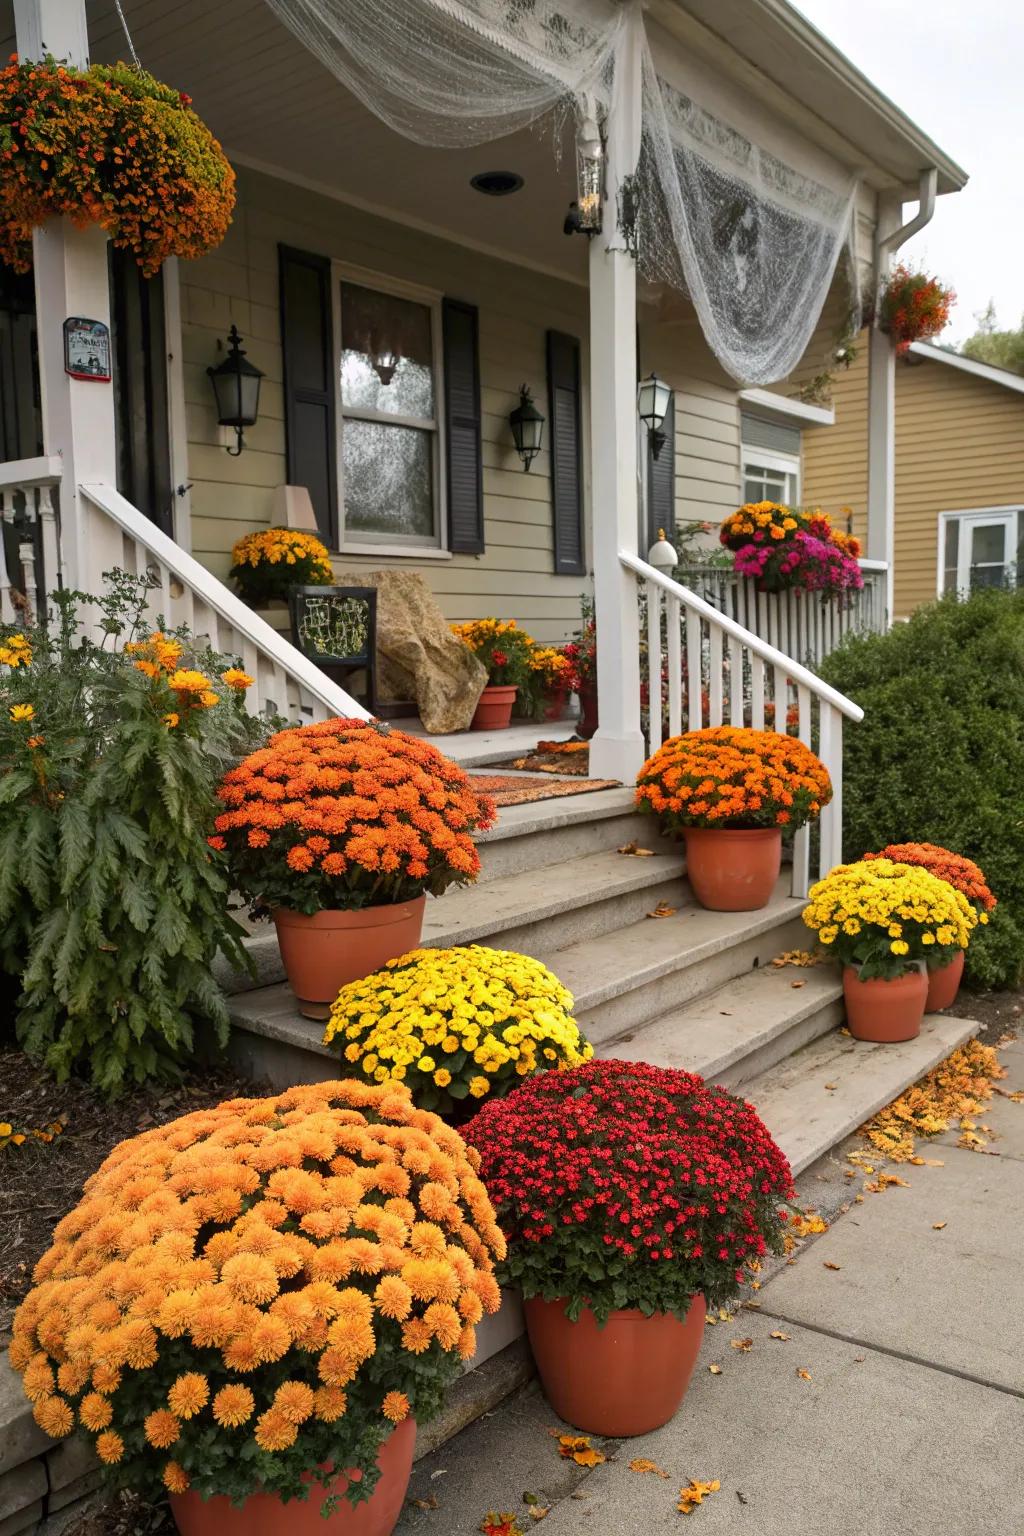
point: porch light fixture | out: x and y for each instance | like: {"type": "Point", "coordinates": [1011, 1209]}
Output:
{"type": "Point", "coordinates": [652, 400]}
{"type": "Point", "coordinates": [527, 425]}
{"type": "Point", "coordinates": [236, 389]}
{"type": "Point", "coordinates": [584, 216]}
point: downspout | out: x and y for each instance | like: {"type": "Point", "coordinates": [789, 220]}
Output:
{"type": "Point", "coordinates": [882, 383]}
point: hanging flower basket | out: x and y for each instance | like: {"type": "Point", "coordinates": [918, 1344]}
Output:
{"type": "Point", "coordinates": [914, 307]}
{"type": "Point", "coordinates": [108, 145]}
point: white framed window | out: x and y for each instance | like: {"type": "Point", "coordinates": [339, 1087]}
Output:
{"type": "Point", "coordinates": [388, 351]}
{"type": "Point", "coordinates": [770, 460]}
{"type": "Point", "coordinates": [978, 548]}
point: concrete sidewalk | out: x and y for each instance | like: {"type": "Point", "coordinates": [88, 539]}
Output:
{"type": "Point", "coordinates": [911, 1421]}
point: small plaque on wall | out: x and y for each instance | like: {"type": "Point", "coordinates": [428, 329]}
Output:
{"type": "Point", "coordinates": [87, 349]}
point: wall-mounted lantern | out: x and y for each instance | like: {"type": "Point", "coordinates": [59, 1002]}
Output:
{"type": "Point", "coordinates": [584, 216]}
{"type": "Point", "coordinates": [652, 401]}
{"type": "Point", "coordinates": [236, 388]}
{"type": "Point", "coordinates": [527, 425]}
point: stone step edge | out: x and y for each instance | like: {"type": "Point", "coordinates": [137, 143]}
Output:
{"type": "Point", "coordinates": [561, 811]}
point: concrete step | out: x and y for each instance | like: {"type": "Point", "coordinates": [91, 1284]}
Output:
{"type": "Point", "coordinates": [550, 908]}
{"type": "Point", "coordinates": [646, 969]}
{"type": "Point", "coordinates": [824, 1091]}
{"type": "Point", "coordinates": [549, 832]}
{"type": "Point", "coordinates": [478, 749]}
{"type": "Point", "coordinates": [741, 1028]}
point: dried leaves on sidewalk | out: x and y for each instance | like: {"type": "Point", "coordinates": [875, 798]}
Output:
{"type": "Point", "coordinates": [578, 1448]}
{"type": "Point", "coordinates": [695, 1493]}
{"type": "Point", "coordinates": [952, 1092]}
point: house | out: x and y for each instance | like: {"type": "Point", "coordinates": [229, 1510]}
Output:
{"type": "Point", "coordinates": [959, 480]}
{"type": "Point", "coordinates": [345, 230]}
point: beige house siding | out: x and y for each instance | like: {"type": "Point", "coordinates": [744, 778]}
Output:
{"type": "Point", "coordinates": [959, 446]}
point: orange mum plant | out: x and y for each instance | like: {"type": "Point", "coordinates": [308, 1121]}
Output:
{"type": "Point", "coordinates": [728, 776]}
{"type": "Point", "coordinates": [959, 872]}
{"type": "Point", "coordinates": [253, 1295]}
{"type": "Point", "coordinates": [108, 145]}
{"type": "Point", "coordinates": [348, 814]}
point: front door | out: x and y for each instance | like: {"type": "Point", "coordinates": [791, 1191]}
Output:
{"type": "Point", "coordinates": [140, 390]}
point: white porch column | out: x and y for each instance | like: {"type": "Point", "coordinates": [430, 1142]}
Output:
{"type": "Point", "coordinates": [882, 409]}
{"type": "Point", "coordinates": [617, 749]}
{"type": "Point", "coordinates": [71, 278]}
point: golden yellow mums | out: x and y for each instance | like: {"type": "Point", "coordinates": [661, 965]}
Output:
{"type": "Point", "coordinates": [456, 1023]}
{"type": "Point", "coordinates": [298, 1273]}
{"type": "Point", "coordinates": [884, 916]}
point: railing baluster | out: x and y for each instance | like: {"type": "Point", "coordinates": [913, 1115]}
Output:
{"type": "Point", "coordinates": [781, 684]}
{"type": "Point", "coordinates": [830, 750]}
{"type": "Point", "coordinates": [694, 672]}
{"type": "Point", "coordinates": [756, 693]}
{"type": "Point", "coordinates": [715, 675]}
{"type": "Point", "coordinates": [7, 613]}
{"type": "Point", "coordinates": [673, 622]}
{"type": "Point", "coordinates": [48, 541]}
{"type": "Point", "coordinates": [653, 666]}
{"type": "Point", "coordinates": [27, 556]}
{"type": "Point", "coordinates": [735, 681]}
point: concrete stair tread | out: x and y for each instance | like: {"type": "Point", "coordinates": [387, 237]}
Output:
{"type": "Point", "coordinates": [712, 1033]}
{"type": "Point", "coordinates": [563, 811]}
{"type": "Point", "coordinates": [273, 1013]}
{"type": "Point", "coordinates": [474, 913]}
{"type": "Point", "coordinates": [597, 969]}
{"type": "Point", "coordinates": [807, 1118]}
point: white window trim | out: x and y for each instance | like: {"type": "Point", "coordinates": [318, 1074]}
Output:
{"type": "Point", "coordinates": [975, 514]}
{"type": "Point", "coordinates": [767, 458]}
{"type": "Point", "coordinates": [407, 545]}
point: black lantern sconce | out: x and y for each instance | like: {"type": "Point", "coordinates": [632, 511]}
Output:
{"type": "Point", "coordinates": [652, 401]}
{"type": "Point", "coordinates": [236, 388]}
{"type": "Point", "coordinates": [584, 216]}
{"type": "Point", "coordinates": [527, 425]}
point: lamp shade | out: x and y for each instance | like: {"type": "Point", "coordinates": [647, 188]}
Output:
{"type": "Point", "coordinates": [652, 399]}
{"type": "Point", "coordinates": [527, 425]}
{"type": "Point", "coordinates": [236, 386]}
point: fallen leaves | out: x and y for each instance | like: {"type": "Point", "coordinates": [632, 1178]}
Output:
{"type": "Point", "coordinates": [804, 1375]}
{"type": "Point", "coordinates": [500, 1525]}
{"type": "Point", "coordinates": [777, 1333]}
{"type": "Point", "coordinates": [430, 1503]}
{"type": "Point", "coordinates": [827, 1264]}
{"type": "Point", "coordinates": [663, 910]}
{"type": "Point", "coordinates": [795, 957]}
{"type": "Point", "coordinates": [633, 850]}
{"type": "Point", "coordinates": [937, 1226]}
{"type": "Point", "coordinates": [950, 1093]}
{"type": "Point", "coordinates": [694, 1494]}
{"type": "Point", "coordinates": [798, 983]}
{"type": "Point", "coordinates": [643, 1464]}
{"type": "Point", "coordinates": [578, 1448]}
{"type": "Point", "coordinates": [534, 1508]}
{"type": "Point", "coordinates": [746, 1345]}
{"type": "Point", "coordinates": [715, 1370]}
{"type": "Point", "coordinates": [885, 1181]}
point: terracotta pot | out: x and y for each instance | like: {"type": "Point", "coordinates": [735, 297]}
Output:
{"type": "Point", "coordinates": [264, 1514]}
{"type": "Point", "coordinates": [733, 870]}
{"type": "Point", "coordinates": [555, 702]}
{"type": "Point", "coordinates": [323, 952]}
{"type": "Point", "coordinates": [494, 711]}
{"type": "Point", "coordinates": [623, 1379]}
{"type": "Point", "coordinates": [588, 710]}
{"type": "Point", "coordinates": [944, 984]}
{"type": "Point", "coordinates": [884, 1010]}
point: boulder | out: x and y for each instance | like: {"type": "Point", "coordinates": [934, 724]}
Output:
{"type": "Point", "coordinates": [418, 657]}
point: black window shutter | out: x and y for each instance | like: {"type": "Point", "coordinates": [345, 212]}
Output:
{"type": "Point", "coordinates": [566, 440]}
{"type": "Point", "coordinates": [661, 481]}
{"type": "Point", "coordinates": [307, 341]}
{"type": "Point", "coordinates": [464, 457]}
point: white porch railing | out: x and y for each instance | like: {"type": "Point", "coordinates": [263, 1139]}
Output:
{"type": "Point", "coordinates": [805, 625]}
{"type": "Point", "coordinates": [29, 549]}
{"type": "Point", "coordinates": [184, 592]}
{"type": "Point", "coordinates": [717, 672]}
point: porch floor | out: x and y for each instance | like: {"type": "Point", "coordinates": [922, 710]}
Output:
{"type": "Point", "coordinates": [474, 749]}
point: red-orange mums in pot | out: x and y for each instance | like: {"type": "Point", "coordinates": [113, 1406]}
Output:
{"type": "Point", "coordinates": [339, 831]}
{"type": "Point", "coordinates": [631, 1197]}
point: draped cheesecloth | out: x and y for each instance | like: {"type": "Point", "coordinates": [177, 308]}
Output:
{"type": "Point", "coordinates": [733, 209]}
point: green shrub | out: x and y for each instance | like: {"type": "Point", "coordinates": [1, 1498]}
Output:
{"type": "Point", "coordinates": [939, 756]}
{"type": "Point", "coordinates": [112, 905]}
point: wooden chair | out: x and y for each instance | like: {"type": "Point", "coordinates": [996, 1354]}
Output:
{"type": "Point", "coordinates": [336, 627]}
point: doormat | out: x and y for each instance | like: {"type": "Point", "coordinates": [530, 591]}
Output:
{"type": "Point", "coordinates": [518, 789]}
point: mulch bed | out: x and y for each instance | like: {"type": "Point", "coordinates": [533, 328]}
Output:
{"type": "Point", "coordinates": [41, 1181]}
{"type": "Point", "coordinates": [998, 1013]}
{"type": "Point", "coordinates": [520, 789]}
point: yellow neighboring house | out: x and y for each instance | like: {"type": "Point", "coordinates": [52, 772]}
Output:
{"type": "Point", "coordinates": [959, 470]}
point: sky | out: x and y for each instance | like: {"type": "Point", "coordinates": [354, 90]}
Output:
{"type": "Point", "coordinates": [954, 67]}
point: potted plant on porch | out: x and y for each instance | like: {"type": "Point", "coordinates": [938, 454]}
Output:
{"type": "Point", "coordinates": [886, 924]}
{"type": "Point", "coordinates": [505, 651]}
{"type": "Point", "coordinates": [729, 792]}
{"type": "Point", "coordinates": [253, 1306]}
{"type": "Point", "coordinates": [631, 1198]}
{"type": "Point", "coordinates": [267, 564]}
{"type": "Point", "coordinates": [339, 831]}
{"type": "Point", "coordinates": [944, 975]}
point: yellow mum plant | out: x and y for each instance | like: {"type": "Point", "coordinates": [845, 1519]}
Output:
{"type": "Point", "coordinates": [252, 1295]}
{"type": "Point", "coordinates": [884, 917]}
{"type": "Point", "coordinates": [266, 564]}
{"type": "Point", "coordinates": [456, 1024]}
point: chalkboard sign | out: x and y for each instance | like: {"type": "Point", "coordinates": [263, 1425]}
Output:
{"type": "Point", "coordinates": [87, 349]}
{"type": "Point", "coordinates": [337, 628]}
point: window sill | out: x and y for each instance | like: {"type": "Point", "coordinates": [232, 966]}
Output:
{"type": "Point", "coordinates": [393, 552]}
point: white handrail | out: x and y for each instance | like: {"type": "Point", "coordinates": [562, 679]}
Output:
{"type": "Point", "coordinates": [22, 474]}
{"type": "Point", "coordinates": [746, 677]}
{"type": "Point", "coordinates": [202, 590]}
{"type": "Point", "coordinates": [797, 673]}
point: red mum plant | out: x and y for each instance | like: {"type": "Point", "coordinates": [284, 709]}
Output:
{"type": "Point", "coordinates": [620, 1184]}
{"type": "Point", "coordinates": [348, 814]}
{"type": "Point", "coordinates": [959, 872]}
{"type": "Point", "coordinates": [914, 307]}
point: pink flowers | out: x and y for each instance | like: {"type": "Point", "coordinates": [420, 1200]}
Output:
{"type": "Point", "coordinates": [803, 562]}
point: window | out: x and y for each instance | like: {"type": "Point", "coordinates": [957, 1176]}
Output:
{"type": "Point", "coordinates": [979, 548]}
{"type": "Point", "coordinates": [389, 458]}
{"type": "Point", "coordinates": [771, 461]}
